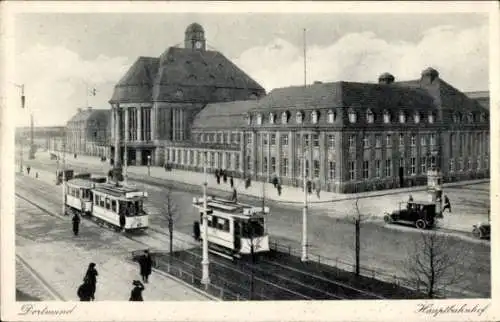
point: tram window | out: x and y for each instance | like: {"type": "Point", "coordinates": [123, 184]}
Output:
{"type": "Point", "coordinates": [225, 227]}
{"type": "Point", "coordinates": [220, 223]}
{"type": "Point", "coordinates": [122, 209]}
{"type": "Point", "coordinates": [101, 202]}
{"type": "Point", "coordinates": [256, 226]}
{"type": "Point", "coordinates": [108, 203]}
{"type": "Point", "coordinates": [113, 205]}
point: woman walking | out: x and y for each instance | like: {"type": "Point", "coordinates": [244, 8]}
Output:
{"type": "Point", "coordinates": [91, 278]}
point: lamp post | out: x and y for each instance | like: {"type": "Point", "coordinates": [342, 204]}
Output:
{"type": "Point", "coordinates": [149, 165]}
{"type": "Point", "coordinates": [23, 101]}
{"type": "Point", "coordinates": [205, 279]}
{"type": "Point", "coordinates": [304, 209]}
{"type": "Point", "coordinates": [64, 176]}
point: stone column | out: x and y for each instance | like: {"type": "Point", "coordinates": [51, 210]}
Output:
{"type": "Point", "coordinates": [112, 120]}
{"type": "Point", "coordinates": [242, 152]}
{"type": "Point", "coordinates": [291, 155]}
{"type": "Point", "coordinates": [127, 125]}
{"type": "Point", "coordinates": [138, 157]}
{"type": "Point", "coordinates": [139, 123]}
{"type": "Point", "coordinates": [268, 156]}
{"type": "Point", "coordinates": [278, 154]}
{"type": "Point", "coordinates": [322, 158]}
{"type": "Point", "coordinates": [254, 153]}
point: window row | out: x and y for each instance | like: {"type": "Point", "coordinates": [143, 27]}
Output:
{"type": "Point", "coordinates": [425, 139]}
{"type": "Point", "coordinates": [218, 137]}
{"type": "Point", "coordinates": [384, 168]}
{"type": "Point", "coordinates": [214, 160]}
{"type": "Point", "coordinates": [460, 165]}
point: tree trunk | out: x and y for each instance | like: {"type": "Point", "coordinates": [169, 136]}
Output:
{"type": "Point", "coordinates": [357, 246]}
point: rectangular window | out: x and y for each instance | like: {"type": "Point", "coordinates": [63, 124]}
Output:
{"type": "Point", "coordinates": [331, 141]}
{"type": "Point", "coordinates": [228, 160]}
{"type": "Point", "coordinates": [413, 140]}
{"type": "Point", "coordinates": [284, 139]}
{"type": "Point", "coordinates": [352, 142]}
{"type": "Point", "coordinates": [469, 165]}
{"type": "Point", "coordinates": [433, 139]}
{"type": "Point", "coordinates": [366, 141]}
{"type": "Point", "coordinates": [388, 168]}
{"type": "Point", "coordinates": [316, 168]}
{"type": "Point", "coordinates": [388, 140]}
{"type": "Point", "coordinates": [378, 168]}
{"type": "Point", "coordinates": [307, 168]}
{"type": "Point", "coordinates": [378, 140]}
{"type": "Point", "coordinates": [366, 165]}
{"type": "Point", "coordinates": [108, 203]}
{"type": "Point", "coordinates": [298, 170]}
{"type": "Point", "coordinates": [315, 140]}
{"type": "Point", "coordinates": [423, 140]}
{"type": "Point", "coordinates": [236, 161]}
{"type": "Point", "coordinates": [237, 135]}
{"type": "Point", "coordinates": [226, 138]}
{"type": "Point", "coordinates": [452, 165]}
{"type": "Point", "coordinates": [264, 164]}
{"type": "Point", "coordinates": [352, 170]}
{"type": "Point", "coordinates": [401, 139]}
{"type": "Point", "coordinates": [212, 160]}
{"type": "Point", "coordinates": [264, 138]}
{"type": "Point", "coordinates": [297, 140]}
{"type": "Point", "coordinates": [478, 163]}
{"type": "Point", "coordinates": [423, 165]}
{"type": "Point", "coordinates": [249, 163]}
{"type": "Point", "coordinates": [273, 164]}
{"type": "Point", "coordinates": [451, 144]}
{"type": "Point", "coordinates": [191, 157]}
{"type": "Point", "coordinates": [113, 205]}
{"type": "Point", "coordinates": [249, 139]}
{"type": "Point", "coordinates": [273, 139]}
{"type": "Point", "coordinates": [284, 167]}
{"type": "Point", "coordinates": [331, 170]}
{"type": "Point", "coordinates": [413, 166]}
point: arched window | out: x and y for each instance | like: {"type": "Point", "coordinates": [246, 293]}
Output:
{"type": "Point", "coordinates": [259, 119]}
{"type": "Point", "coordinates": [331, 116]}
{"type": "Point", "coordinates": [387, 117]}
{"type": "Point", "coordinates": [271, 118]}
{"type": "Point", "coordinates": [431, 118]}
{"type": "Point", "coordinates": [298, 117]}
{"type": "Point", "coordinates": [284, 117]}
{"type": "Point", "coordinates": [352, 116]}
{"type": "Point", "coordinates": [314, 117]}
{"type": "Point", "coordinates": [416, 117]}
{"type": "Point", "coordinates": [370, 117]}
{"type": "Point", "coordinates": [402, 117]}
{"type": "Point", "coordinates": [249, 119]}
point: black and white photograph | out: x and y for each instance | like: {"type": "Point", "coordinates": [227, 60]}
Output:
{"type": "Point", "coordinates": [279, 159]}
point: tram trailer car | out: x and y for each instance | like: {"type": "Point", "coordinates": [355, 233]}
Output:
{"type": "Point", "coordinates": [110, 201]}
{"type": "Point", "coordinates": [233, 227]}
{"type": "Point", "coordinates": [78, 197]}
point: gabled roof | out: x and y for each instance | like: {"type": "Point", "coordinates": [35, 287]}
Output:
{"type": "Point", "coordinates": [223, 115]}
{"type": "Point", "coordinates": [89, 114]}
{"type": "Point", "coordinates": [182, 74]}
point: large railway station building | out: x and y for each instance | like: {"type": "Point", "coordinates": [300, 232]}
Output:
{"type": "Point", "coordinates": [343, 136]}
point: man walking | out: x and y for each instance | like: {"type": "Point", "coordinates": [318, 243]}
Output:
{"type": "Point", "coordinates": [76, 224]}
{"type": "Point", "coordinates": [91, 279]}
{"type": "Point", "coordinates": [447, 204]}
{"type": "Point", "coordinates": [146, 264]}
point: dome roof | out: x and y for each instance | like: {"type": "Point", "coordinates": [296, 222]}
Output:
{"type": "Point", "coordinates": [194, 27]}
{"type": "Point", "coordinates": [386, 76]}
{"type": "Point", "coordinates": [430, 72]}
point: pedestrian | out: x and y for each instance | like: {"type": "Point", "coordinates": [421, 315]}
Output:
{"type": "Point", "coordinates": [234, 197]}
{"type": "Point", "coordinates": [136, 293]}
{"type": "Point", "coordinates": [224, 176]}
{"type": "Point", "coordinates": [410, 198]}
{"type": "Point", "coordinates": [84, 292]}
{"type": "Point", "coordinates": [216, 173]}
{"type": "Point", "coordinates": [76, 224]}
{"type": "Point", "coordinates": [309, 186]}
{"type": "Point", "coordinates": [248, 182]}
{"type": "Point", "coordinates": [75, 155]}
{"type": "Point", "coordinates": [318, 190]}
{"type": "Point", "coordinates": [28, 168]}
{"type": "Point", "coordinates": [218, 179]}
{"type": "Point", "coordinates": [231, 181]}
{"type": "Point", "coordinates": [122, 222]}
{"type": "Point", "coordinates": [279, 189]}
{"type": "Point", "coordinates": [145, 264]}
{"type": "Point", "coordinates": [36, 175]}
{"type": "Point", "coordinates": [91, 278]}
{"type": "Point", "coordinates": [447, 204]}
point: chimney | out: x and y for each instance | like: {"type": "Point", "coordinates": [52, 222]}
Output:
{"type": "Point", "coordinates": [386, 78]}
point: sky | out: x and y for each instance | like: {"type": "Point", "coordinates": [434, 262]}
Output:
{"type": "Point", "coordinates": [59, 55]}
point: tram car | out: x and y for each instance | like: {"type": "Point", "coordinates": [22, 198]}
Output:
{"type": "Point", "coordinates": [105, 203]}
{"type": "Point", "coordinates": [233, 227]}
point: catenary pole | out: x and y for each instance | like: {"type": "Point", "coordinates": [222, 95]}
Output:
{"type": "Point", "coordinates": [205, 261]}
{"type": "Point", "coordinates": [304, 209]}
{"type": "Point", "coordinates": [64, 176]}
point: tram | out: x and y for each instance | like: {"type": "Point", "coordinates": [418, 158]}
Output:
{"type": "Point", "coordinates": [233, 227]}
{"type": "Point", "coordinates": [105, 203]}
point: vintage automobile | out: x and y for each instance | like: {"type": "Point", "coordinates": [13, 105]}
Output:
{"type": "Point", "coordinates": [419, 214]}
{"type": "Point", "coordinates": [481, 230]}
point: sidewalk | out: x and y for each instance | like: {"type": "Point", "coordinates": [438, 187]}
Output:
{"type": "Point", "coordinates": [60, 259]}
{"type": "Point", "coordinates": [469, 207]}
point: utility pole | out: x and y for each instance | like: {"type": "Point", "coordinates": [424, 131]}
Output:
{"type": "Point", "coordinates": [205, 279]}
{"type": "Point", "coordinates": [126, 133]}
{"type": "Point", "coordinates": [21, 140]}
{"type": "Point", "coordinates": [64, 176]}
{"type": "Point", "coordinates": [304, 209]}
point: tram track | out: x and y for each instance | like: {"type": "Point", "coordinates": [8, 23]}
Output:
{"type": "Point", "coordinates": [282, 285]}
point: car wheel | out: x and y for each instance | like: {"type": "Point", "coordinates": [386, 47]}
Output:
{"type": "Point", "coordinates": [476, 232]}
{"type": "Point", "coordinates": [420, 224]}
{"type": "Point", "coordinates": [387, 219]}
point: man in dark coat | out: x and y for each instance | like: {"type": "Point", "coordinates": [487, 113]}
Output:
{"type": "Point", "coordinates": [224, 176]}
{"type": "Point", "coordinates": [76, 224]}
{"type": "Point", "coordinates": [447, 204]}
{"type": "Point", "coordinates": [231, 181]}
{"type": "Point", "coordinates": [279, 189]}
{"type": "Point", "coordinates": [84, 292]}
{"type": "Point", "coordinates": [146, 264]}
{"type": "Point", "coordinates": [91, 279]}
{"type": "Point", "coordinates": [136, 294]}
{"type": "Point", "coordinates": [28, 168]}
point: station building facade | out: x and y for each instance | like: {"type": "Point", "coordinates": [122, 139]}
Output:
{"type": "Point", "coordinates": [349, 136]}
{"type": "Point", "coordinates": [88, 132]}
{"type": "Point", "coordinates": [155, 103]}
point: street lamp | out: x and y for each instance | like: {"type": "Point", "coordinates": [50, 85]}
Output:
{"type": "Point", "coordinates": [149, 165]}
{"type": "Point", "coordinates": [304, 209]}
{"type": "Point", "coordinates": [205, 279]}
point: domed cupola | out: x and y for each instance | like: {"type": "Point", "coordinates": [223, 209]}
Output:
{"type": "Point", "coordinates": [386, 78]}
{"type": "Point", "coordinates": [430, 74]}
{"type": "Point", "coordinates": [194, 37]}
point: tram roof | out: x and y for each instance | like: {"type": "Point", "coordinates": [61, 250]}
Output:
{"type": "Point", "coordinates": [121, 191]}
{"type": "Point", "coordinates": [231, 207]}
{"type": "Point", "coordinates": [81, 183]}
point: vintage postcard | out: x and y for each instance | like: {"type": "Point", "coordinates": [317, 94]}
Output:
{"type": "Point", "coordinates": [249, 161]}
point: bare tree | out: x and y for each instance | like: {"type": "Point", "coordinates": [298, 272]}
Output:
{"type": "Point", "coordinates": [433, 264]}
{"type": "Point", "coordinates": [170, 213]}
{"type": "Point", "coordinates": [357, 219]}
